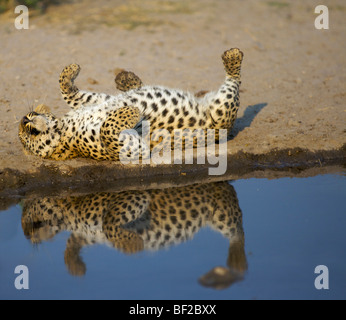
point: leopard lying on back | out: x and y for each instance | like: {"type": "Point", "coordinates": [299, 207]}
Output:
{"type": "Point", "coordinates": [93, 128]}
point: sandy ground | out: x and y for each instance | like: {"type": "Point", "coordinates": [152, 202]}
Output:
{"type": "Point", "coordinates": [293, 77]}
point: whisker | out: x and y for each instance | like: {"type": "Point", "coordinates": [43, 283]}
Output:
{"type": "Point", "coordinates": [30, 103]}
{"type": "Point", "coordinates": [27, 103]}
{"type": "Point", "coordinates": [44, 98]}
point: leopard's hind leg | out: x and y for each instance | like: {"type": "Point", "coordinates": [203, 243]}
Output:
{"type": "Point", "coordinates": [224, 104]}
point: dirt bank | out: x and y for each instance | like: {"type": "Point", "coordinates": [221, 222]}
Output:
{"type": "Point", "coordinates": [293, 77]}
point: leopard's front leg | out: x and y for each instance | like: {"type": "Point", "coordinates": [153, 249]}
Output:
{"type": "Point", "coordinates": [129, 206]}
{"type": "Point", "coordinates": [74, 97]}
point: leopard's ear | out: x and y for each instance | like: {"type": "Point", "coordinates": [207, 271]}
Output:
{"type": "Point", "coordinates": [41, 108]}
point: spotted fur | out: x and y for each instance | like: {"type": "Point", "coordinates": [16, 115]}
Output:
{"type": "Point", "coordinates": [126, 81]}
{"type": "Point", "coordinates": [132, 221]}
{"type": "Point", "coordinates": [82, 132]}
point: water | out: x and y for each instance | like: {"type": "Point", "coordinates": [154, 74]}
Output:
{"type": "Point", "coordinates": [289, 226]}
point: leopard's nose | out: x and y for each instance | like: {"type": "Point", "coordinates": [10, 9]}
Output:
{"type": "Point", "coordinates": [25, 120]}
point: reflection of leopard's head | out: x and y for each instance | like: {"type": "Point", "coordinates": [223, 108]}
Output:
{"type": "Point", "coordinates": [39, 132]}
{"type": "Point", "coordinates": [38, 222]}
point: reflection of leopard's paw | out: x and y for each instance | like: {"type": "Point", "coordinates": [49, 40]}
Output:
{"type": "Point", "coordinates": [127, 80]}
{"type": "Point", "coordinates": [74, 263]}
{"type": "Point", "coordinates": [220, 278]}
{"type": "Point", "coordinates": [232, 60]}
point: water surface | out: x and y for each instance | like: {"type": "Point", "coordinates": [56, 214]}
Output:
{"type": "Point", "coordinates": [246, 239]}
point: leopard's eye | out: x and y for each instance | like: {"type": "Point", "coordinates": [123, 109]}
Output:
{"type": "Point", "coordinates": [33, 114]}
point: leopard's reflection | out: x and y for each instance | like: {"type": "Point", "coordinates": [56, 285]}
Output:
{"type": "Point", "coordinates": [132, 221]}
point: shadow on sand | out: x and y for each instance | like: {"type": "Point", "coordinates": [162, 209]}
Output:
{"type": "Point", "coordinates": [246, 120]}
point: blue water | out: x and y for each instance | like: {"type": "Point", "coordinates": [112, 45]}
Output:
{"type": "Point", "coordinates": [291, 225]}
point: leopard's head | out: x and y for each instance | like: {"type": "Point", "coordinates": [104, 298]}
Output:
{"type": "Point", "coordinates": [40, 132]}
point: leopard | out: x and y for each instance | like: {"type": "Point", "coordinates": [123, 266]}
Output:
{"type": "Point", "coordinates": [137, 220]}
{"type": "Point", "coordinates": [101, 126]}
